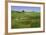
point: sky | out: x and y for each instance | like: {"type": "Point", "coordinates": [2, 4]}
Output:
{"type": "Point", "coordinates": [25, 8]}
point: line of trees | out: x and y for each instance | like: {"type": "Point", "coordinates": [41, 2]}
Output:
{"type": "Point", "coordinates": [18, 11]}
{"type": "Point", "coordinates": [21, 11]}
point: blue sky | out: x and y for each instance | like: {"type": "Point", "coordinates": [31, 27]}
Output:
{"type": "Point", "coordinates": [26, 8]}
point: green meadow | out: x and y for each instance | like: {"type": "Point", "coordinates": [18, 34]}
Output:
{"type": "Point", "coordinates": [25, 19]}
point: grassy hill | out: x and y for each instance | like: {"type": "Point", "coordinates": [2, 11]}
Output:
{"type": "Point", "coordinates": [25, 19]}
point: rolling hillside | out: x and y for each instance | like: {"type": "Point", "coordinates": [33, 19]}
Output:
{"type": "Point", "coordinates": [25, 19]}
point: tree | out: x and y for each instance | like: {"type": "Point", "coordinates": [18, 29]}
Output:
{"type": "Point", "coordinates": [23, 11]}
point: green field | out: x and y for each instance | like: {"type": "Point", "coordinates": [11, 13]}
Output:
{"type": "Point", "coordinates": [25, 19]}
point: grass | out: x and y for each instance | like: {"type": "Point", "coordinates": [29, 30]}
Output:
{"type": "Point", "coordinates": [25, 19]}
